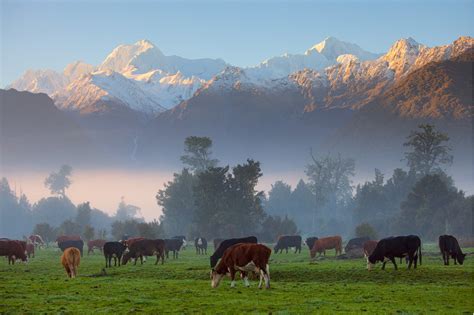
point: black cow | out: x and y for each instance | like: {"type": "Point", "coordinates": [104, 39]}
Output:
{"type": "Point", "coordinates": [310, 241]}
{"type": "Point", "coordinates": [356, 243]}
{"type": "Point", "coordinates": [181, 237]}
{"type": "Point", "coordinates": [173, 245]}
{"type": "Point", "coordinates": [115, 250]}
{"type": "Point", "coordinates": [449, 246]}
{"type": "Point", "coordinates": [228, 243]}
{"type": "Point", "coordinates": [201, 245]}
{"type": "Point", "coordinates": [399, 246]}
{"type": "Point", "coordinates": [79, 244]}
{"type": "Point", "coordinates": [287, 241]}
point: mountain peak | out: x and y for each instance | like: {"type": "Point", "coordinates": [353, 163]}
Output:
{"type": "Point", "coordinates": [332, 48]}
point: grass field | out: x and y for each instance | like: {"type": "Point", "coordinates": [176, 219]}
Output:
{"type": "Point", "coordinates": [183, 286]}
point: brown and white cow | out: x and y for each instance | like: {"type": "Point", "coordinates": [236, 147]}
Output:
{"type": "Point", "coordinates": [13, 250]}
{"type": "Point", "coordinates": [369, 247]}
{"type": "Point", "coordinates": [99, 244]}
{"type": "Point", "coordinates": [36, 240]}
{"type": "Point", "coordinates": [243, 257]}
{"type": "Point", "coordinates": [71, 259]}
{"type": "Point", "coordinates": [132, 240]}
{"type": "Point", "coordinates": [322, 244]}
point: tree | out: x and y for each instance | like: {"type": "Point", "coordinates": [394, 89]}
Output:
{"type": "Point", "coordinates": [124, 228]}
{"type": "Point", "coordinates": [279, 199]}
{"type": "Point", "coordinates": [88, 233]}
{"type": "Point", "coordinates": [197, 154]}
{"type": "Point", "coordinates": [15, 214]}
{"type": "Point", "coordinates": [426, 209]}
{"type": "Point", "coordinates": [177, 201]}
{"type": "Point", "coordinates": [69, 227]}
{"type": "Point", "coordinates": [366, 230]}
{"type": "Point", "coordinates": [53, 210]}
{"type": "Point", "coordinates": [152, 230]}
{"type": "Point", "coordinates": [273, 226]}
{"type": "Point", "coordinates": [329, 179]}
{"type": "Point", "coordinates": [428, 151]}
{"type": "Point", "coordinates": [126, 211]}
{"type": "Point", "coordinates": [303, 206]}
{"type": "Point", "coordinates": [83, 216]}
{"type": "Point", "coordinates": [46, 231]}
{"type": "Point", "coordinates": [60, 181]}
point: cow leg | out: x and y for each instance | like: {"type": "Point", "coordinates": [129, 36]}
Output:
{"type": "Point", "coordinates": [232, 277]}
{"type": "Point", "coordinates": [244, 277]}
{"type": "Point", "coordinates": [410, 261]}
{"type": "Point", "coordinates": [394, 263]}
{"type": "Point", "coordinates": [416, 260]}
{"type": "Point", "coordinates": [106, 259]}
{"type": "Point", "coordinates": [261, 278]}
{"type": "Point", "coordinates": [454, 258]}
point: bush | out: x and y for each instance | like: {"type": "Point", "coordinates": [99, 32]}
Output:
{"type": "Point", "coordinates": [365, 230]}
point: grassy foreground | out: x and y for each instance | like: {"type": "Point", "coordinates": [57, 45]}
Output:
{"type": "Point", "coordinates": [183, 286]}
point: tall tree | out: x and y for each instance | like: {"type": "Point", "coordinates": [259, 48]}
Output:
{"type": "Point", "coordinates": [303, 206]}
{"type": "Point", "coordinates": [428, 151]}
{"type": "Point", "coordinates": [177, 201]}
{"type": "Point", "coordinates": [83, 216]}
{"type": "Point", "coordinates": [60, 181]}
{"type": "Point", "coordinates": [127, 211]}
{"type": "Point", "coordinates": [329, 179]}
{"type": "Point", "coordinates": [279, 199]}
{"type": "Point", "coordinates": [198, 154]}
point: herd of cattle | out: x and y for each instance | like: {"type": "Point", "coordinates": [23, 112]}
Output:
{"type": "Point", "coordinates": [233, 255]}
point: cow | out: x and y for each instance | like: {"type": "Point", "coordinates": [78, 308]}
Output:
{"type": "Point", "coordinates": [310, 241]}
{"type": "Point", "coordinates": [287, 241]}
{"type": "Point", "coordinates": [355, 247]}
{"type": "Point", "coordinates": [201, 245]}
{"type": "Point", "coordinates": [36, 240]}
{"type": "Point", "coordinates": [30, 250]}
{"type": "Point", "coordinates": [321, 245]}
{"type": "Point", "coordinates": [244, 257]}
{"type": "Point", "coordinates": [13, 250]}
{"type": "Point", "coordinates": [99, 244]}
{"type": "Point", "coordinates": [369, 247]}
{"type": "Point", "coordinates": [145, 247]}
{"type": "Point", "coordinates": [228, 243]}
{"type": "Point", "coordinates": [71, 259]}
{"type": "Point", "coordinates": [217, 242]}
{"type": "Point", "coordinates": [399, 246]}
{"type": "Point", "coordinates": [181, 237]}
{"type": "Point", "coordinates": [115, 250]}
{"type": "Point", "coordinates": [173, 245]}
{"type": "Point", "coordinates": [22, 244]}
{"type": "Point", "coordinates": [132, 240]}
{"type": "Point", "coordinates": [63, 238]}
{"type": "Point", "coordinates": [449, 246]}
{"type": "Point", "coordinates": [79, 244]}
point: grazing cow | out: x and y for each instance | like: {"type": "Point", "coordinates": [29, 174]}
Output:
{"type": "Point", "coordinates": [287, 241]}
{"type": "Point", "coordinates": [217, 242]}
{"type": "Point", "coordinates": [369, 247]}
{"type": "Point", "coordinates": [99, 244]}
{"type": "Point", "coordinates": [181, 237]}
{"type": "Point", "coordinates": [79, 244]}
{"type": "Point", "coordinates": [201, 245]}
{"type": "Point", "coordinates": [244, 257]}
{"type": "Point", "coordinates": [399, 246]}
{"type": "Point", "coordinates": [145, 247]}
{"type": "Point", "coordinates": [173, 245]}
{"type": "Point", "coordinates": [310, 241]}
{"type": "Point", "coordinates": [12, 250]}
{"type": "Point", "coordinates": [449, 246]}
{"type": "Point", "coordinates": [321, 245]}
{"type": "Point", "coordinates": [355, 247]}
{"type": "Point", "coordinates": [71, 259]}
{"type": "Point", "coordinates": [22, 244]}
{"type": "Point", "coordinates": [63, 238]}
{"type": "Point", "coordinates": [36, 239]}
{"type": "Point", "coordinates": [228, 243]}
{"type": "Point", "coordinates": [30, 250]}
{"type": "Point", "coordinates": [115, 250]}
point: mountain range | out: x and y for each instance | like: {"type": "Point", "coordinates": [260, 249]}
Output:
{"type": "Point", "coordinates": [139, 104]}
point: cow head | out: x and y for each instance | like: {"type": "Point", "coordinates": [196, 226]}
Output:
{"type": "Point", "coordinates": [370, 266]}
{"type": "Point", "coordinates": [461, 258]}
{"type": "Point", "coordinates": [125, 258]}
{"type": "Point", "coordinates": [215, 278]}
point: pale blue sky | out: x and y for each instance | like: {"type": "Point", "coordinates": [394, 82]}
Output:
{"type": "Point", "coordinates": [51, 34]}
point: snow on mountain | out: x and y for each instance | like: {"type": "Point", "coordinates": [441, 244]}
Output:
{"type": "Point", "coordinates": [40, 81]}
{"type": "Point", "coordinates": [76, 69]}
{"type": "Point", "coordinates": [332, 48]}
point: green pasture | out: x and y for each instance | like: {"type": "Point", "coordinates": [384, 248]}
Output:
{"type": "Point", "coordinates": [327, 285]}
